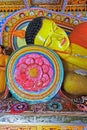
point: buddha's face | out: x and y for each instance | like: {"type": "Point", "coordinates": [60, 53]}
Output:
{"type": "Point", "coordinates": [52, 36]}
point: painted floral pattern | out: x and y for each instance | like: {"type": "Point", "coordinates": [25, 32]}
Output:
{"type": "Point", "coordinates": [33, 72]}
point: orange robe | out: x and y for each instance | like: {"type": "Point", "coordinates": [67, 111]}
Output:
{"type": "Point", "coordinates": [3, 62]}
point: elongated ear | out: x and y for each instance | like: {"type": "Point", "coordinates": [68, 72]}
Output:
{"type": "Point", "coordinates": [32, 29]}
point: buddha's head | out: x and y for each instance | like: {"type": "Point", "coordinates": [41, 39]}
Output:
{"type": "Point", "coordinates": [45, 32]}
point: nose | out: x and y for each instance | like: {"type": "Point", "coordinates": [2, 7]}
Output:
{"type": "Point", "coordinates": [58, 36]}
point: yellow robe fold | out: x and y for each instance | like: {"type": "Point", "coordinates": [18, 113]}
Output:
{"type": "Point", "coordinates": [77, 56]}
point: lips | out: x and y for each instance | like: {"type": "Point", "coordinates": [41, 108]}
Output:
{"type": "Point", "coordinates": [63, 41]}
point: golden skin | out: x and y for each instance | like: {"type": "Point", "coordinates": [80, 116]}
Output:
{"type": "Point", "coordinates": [54, 37]}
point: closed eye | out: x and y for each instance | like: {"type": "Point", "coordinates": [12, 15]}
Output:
{"type": "Point", "coordinates": [46, 43]}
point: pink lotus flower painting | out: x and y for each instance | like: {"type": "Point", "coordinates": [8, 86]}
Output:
{"type": "Point", "coordinates": [33, 72]}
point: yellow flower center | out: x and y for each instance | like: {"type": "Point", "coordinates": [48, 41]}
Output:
{"type": "Point", "coordinates": [33, 72]}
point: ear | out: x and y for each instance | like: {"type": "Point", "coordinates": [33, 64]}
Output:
{"type": "Point", "coordinates": [19, 33]}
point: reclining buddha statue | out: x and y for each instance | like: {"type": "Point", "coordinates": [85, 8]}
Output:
{"type": "Point", "coordinates": [43, 31]}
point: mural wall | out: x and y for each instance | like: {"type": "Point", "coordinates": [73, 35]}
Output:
{"type": "Point", "coordinates": [14, 19]}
